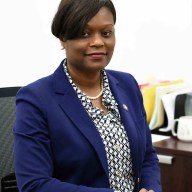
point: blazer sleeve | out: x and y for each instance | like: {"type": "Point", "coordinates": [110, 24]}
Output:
{"type": "Point", "coordinates": [150, 170]}
{"type": "Point", "coordinates": [33, 156]}
{"type": "Point", "coordinates": [145, 161]}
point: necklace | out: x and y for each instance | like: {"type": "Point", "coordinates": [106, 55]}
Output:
{"type": "Point", "coordinates": [96, 97]}
{"type": "Point", "coordinates": [99, 95]}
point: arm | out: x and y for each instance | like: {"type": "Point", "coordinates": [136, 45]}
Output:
{"type": "Point", "coordinates": [145, 161]}
{"type": "Point", "coordinates": [150, 170]}
{"type": "Point", "coordinates": [33, 154]}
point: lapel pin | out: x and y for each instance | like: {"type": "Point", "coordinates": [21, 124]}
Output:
{"type": "Point", "coordinates": [125, 107]}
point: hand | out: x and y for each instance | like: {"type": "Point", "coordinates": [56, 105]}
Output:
{"type": "Point", "coordinates": [144, 190]}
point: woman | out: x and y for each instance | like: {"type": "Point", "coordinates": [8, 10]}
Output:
{"type": "Point", "coordinates": [83, 128]}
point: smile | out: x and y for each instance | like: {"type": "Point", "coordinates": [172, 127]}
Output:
{"type": "Point", "coordinates": [98, 55]}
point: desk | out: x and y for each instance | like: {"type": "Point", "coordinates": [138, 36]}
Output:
{"type": "Point", "coordinates": [176, 164]}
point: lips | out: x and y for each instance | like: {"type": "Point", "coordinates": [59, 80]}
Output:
{"type": "Point", "coordinates": [96, 55]}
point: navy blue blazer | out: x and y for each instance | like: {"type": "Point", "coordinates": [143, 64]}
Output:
{"type": "Point", "coordinates": [57, 147]}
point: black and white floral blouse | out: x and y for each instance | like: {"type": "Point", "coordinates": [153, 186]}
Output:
{"type": "Point", "coordinates": [113, 135]}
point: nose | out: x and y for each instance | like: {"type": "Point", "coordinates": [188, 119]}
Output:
{"type": "Point", "coordinates": [97, 41]}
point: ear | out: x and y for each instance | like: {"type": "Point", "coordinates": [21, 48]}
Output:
{"type": "Point", "coordinates": [62, 41]}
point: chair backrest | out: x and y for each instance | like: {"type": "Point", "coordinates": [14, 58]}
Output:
{"type": "Point", "coordinates": [7, 119]}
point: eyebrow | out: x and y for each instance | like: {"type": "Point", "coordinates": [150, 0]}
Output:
{"type": "Point", "coordinates": [105, 25]}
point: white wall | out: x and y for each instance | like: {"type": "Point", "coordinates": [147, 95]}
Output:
{"type": "Point", "coordinates": [154, 39]}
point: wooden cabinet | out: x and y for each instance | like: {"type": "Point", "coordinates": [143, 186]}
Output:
{"type": "Point", "coordinates": [176, 165]}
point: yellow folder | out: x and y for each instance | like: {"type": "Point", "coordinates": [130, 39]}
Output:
{"type": "Point", "coordinates": [149, 95]}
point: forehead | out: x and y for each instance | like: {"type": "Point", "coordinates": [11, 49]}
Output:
{"type": "Point", "coordinates": [104, 17]}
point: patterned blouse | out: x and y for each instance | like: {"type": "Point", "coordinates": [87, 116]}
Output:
{"type": "Point", "coordinates": [113, 135]}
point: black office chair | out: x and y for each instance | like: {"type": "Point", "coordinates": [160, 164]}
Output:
{"type": "Point", "coordinates": [7, 119]}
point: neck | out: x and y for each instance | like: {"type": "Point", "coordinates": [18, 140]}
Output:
{"type": "Point", "coordinates": [100, 93]}
{"type": "Point", "coordinates": [89, 83]}
{"type": "Point", "coordinates": [93, 90]}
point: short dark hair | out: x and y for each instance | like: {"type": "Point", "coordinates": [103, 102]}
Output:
{"type": "Point", "coordinates": [72, 16]}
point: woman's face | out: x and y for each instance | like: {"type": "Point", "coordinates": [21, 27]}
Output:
{"type": "Point", "coordinates": [93, 50]}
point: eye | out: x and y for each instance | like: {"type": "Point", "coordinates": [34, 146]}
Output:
{"type": "Point", "coordinates": [85, 34]}
{"type": "Point", "coordinates": [106, 33]}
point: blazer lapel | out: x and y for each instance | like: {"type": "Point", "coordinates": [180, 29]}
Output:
{"type": "Point", "coordinates": [123, 99]}
{"type": "Point", "coordinates": [72, 107]}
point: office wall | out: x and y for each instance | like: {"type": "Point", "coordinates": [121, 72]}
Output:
{"type": "Point", "coordinates": [154, 40]}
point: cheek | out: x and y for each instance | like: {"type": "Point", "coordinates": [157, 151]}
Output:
{"type": "Point", "coordinates": [72, 51]}
{"type": "Point", "coordinates": [76, 49]}
{"type": "Point", "coordinates": [111, 44]}
{"type": "Point", "coordinates": [111, 47]}
{"type": "Point", "coordinates": [74, 54]}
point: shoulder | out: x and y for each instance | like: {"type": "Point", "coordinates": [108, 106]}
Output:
{"type": "Point", "coordinates": [123, 78]}
{"type": "Point", "coordinates": [120, 75]}
{"type": "Point", "coordinates": [43, 86]}
{"type": "Point", "coordinates": [127, 83]}
{"type": "Point", "coordinates": [36, 95]}
{"type": "Point", "coordinates": [37, 87]}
